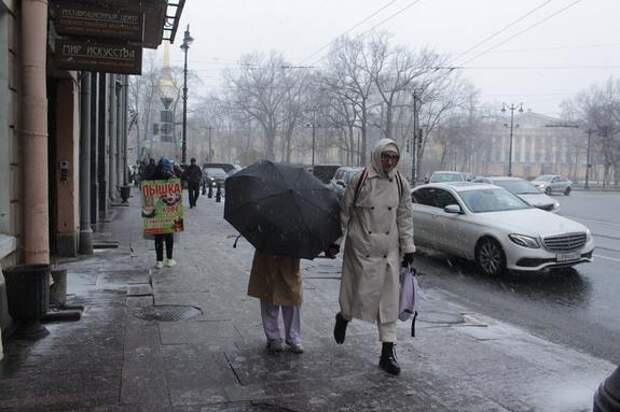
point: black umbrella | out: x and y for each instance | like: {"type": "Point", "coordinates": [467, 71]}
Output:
{"type": "Point", "coordinates": [282, 210]}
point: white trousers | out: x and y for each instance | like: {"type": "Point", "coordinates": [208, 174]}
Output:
{"type": "Point", "coordinates": [291, 315]}
{"type": "Point", "coordinates": [387, 331]}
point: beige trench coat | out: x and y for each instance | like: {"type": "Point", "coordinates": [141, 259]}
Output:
{"type": "Point", "coordinates": [276, 279]}
{"type": "Point", "coordinates": [378, 229]}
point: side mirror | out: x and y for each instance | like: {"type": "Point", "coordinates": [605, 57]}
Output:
{"type": "Point", "coordinates": [453, 209]}
{"type": "Point", "coordinates": [340, 183]}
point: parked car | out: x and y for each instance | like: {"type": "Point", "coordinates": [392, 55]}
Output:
{"type": "Point", "coordinates": [496, 229]}
{"type": "Point", "coordinates": [446, 177]}
{"type": "Point", "coordinates": [525, 190]}
{"type": "Point", "coordinates": [553, 184]}
{"type": "Point", "coordinates": [342, 178]}
{"type": "Point", "coordinates": [229, 168]}
{"type": "Point", "coordinates": [214, 176]}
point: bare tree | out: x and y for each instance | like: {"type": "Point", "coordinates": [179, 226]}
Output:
{"type": "Point", "coordinates": [261, 88]}
{"type": "Point", "coordinates": [396, 69]}
{"type": "Point", "coordinates": [353, 72]}
{"type": "Point", "coordinates": [599, 108]}
{"type": "Point", "coordinates": [143, 99]}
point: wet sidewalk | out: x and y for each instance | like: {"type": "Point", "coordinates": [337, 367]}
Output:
{"type": "Point", "coordinates": [201, 347]}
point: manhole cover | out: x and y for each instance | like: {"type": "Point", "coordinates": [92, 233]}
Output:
{"type": "Point", "coordinates": [168, 313]}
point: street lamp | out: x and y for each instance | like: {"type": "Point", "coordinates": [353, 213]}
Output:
{"type": "Point", "coordinates": [512, 109]}
{"type": "Point", "coordinates": [187, 41]}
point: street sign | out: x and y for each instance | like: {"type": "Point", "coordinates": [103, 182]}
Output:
{"type": "Point", "coordinates": [84, 19]}
{"type": "Point", "coordinates": [98, 57]}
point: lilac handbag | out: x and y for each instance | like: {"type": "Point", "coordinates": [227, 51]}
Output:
{"type": "Point", "coordinates": [407, 305]}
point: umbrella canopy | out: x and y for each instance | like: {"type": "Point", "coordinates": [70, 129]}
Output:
{"type": "Point", "coordinates": [282, 210]}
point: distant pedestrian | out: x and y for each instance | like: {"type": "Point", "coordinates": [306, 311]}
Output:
{"type": "Point", "coordinates": [276, 281]}
{"type": "Point", "coordinates": [149, 170]}
{"type": "Point", "coordinates": [164, 171]}
{"type": "Point", "coordinates": [376, 218]}
{"type": "Point", "coordinates": [193, 177]}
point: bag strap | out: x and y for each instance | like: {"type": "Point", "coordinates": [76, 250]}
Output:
{"type": "Point", "coordinates": [358, 188]}
{"type": "Point", "coordinates": [399, 181]}
{"type": "Point", "coordinates": [359, 184]}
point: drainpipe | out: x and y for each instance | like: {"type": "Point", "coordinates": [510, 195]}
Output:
{"type": "Point", "coordinates": [86, 232]}
{"type": "Point", "coordinates": [34, 132]}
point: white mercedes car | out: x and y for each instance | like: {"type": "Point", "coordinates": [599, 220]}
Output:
{"type": "Point", "coordinates": [495, 228]}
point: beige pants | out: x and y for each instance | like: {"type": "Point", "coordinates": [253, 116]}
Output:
{"type": "Point", "coordinates": [387, 331]}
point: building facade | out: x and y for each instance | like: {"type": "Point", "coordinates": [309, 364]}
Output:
{"type": "Point", "coordinates": [63, 134]}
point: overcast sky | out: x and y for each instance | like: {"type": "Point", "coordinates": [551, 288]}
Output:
{"type": "Point", "coordinates": [540, 67]}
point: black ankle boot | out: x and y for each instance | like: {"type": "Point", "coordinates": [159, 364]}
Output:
{"type": "Point", "coordinates": [340, 329]}
{"type": "Point", "coordinates": [388, 361]}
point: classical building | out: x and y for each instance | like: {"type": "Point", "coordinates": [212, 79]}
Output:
{"type": "Point", "coordinates": [540, 145]}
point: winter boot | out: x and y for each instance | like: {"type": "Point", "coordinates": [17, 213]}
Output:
{"type": "Point", "coordinates": [340, 329]}
{"type": "Point", "coordinates": [388, 361]}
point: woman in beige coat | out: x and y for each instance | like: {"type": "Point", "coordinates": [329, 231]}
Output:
{"type": "Point", "coordinates": [376, 218]}
{"type": "Point", "coordinates": [276, 281]}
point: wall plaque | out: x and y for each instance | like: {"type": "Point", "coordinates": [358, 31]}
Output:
{"type": "Point", "coordinates": [86, 19]}
{"type": "Point", "coordinates": [98, 57]}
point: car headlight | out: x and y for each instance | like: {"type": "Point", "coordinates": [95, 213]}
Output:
{"type": "Point", "coordinates": [525, 241]}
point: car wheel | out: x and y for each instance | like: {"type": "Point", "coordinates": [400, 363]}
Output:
{"type": "Point", "coordinates": [490, 257]}
{"type": "Point", "coordinates": [567, 191]}
{"type": "Point", "coordinates": [548, 191]}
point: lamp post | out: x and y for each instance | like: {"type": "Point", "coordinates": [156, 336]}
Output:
{"type": "Point", "coordinates": [512, 109]}
{"type": "Point", "coordinates": [187, 41]}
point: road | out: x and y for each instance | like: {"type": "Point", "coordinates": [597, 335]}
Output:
{"type": "Point", "coordinates": [578, 308]}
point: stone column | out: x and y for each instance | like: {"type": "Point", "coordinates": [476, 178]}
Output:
{"type": "Point", "coordinates": [101, 147]}
{"type": "Point", "coordinates": [94, 129]}
{"type": "Point", "coordinates": [112, 136]}
{"type": "Point", "coordinates": [34, 131]}
{"type": "Point", "coordinates": [86, 232]}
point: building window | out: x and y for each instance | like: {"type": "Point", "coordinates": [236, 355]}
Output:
{"type": "Point", "coordinates": [538, 149]}
{"type": "Point", "coordinates": [528, 149]}
{"type": "Point", "coordinates": [517, 149]}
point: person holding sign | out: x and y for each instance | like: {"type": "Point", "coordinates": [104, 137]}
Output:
{"type": "Point", "coordinates": [162, 210]}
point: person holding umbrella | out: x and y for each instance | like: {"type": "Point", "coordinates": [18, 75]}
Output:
{"type": "Point", "coordinates": [276, 281]}
{"type": "Point", "coordinates": [287, 215]}
{"type": "Point", "coordinates": [376, 221]}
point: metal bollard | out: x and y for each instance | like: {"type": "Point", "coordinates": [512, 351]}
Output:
{"type": "Point", "coordinates": [218, 193]}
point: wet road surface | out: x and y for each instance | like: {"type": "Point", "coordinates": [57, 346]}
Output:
{"type": "Point", "coordinates": [576, 307]}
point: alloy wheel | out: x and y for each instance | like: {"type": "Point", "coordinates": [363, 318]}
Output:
{"type": "Point", "coordinates": [490, 257]}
